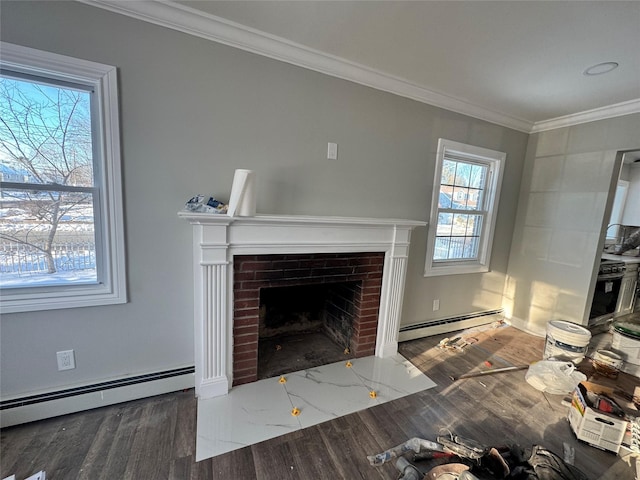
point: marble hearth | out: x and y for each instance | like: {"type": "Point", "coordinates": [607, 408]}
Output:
{"type": "Point", "coordinates": [218, 239]}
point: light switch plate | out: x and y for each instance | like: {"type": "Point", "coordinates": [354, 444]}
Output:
{"type": "Point", "coordinates": [332, 151]}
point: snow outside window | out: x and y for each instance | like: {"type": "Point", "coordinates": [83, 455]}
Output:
{"type": "Point", "coordinates": [61, 228]}
{"type": "Point", "coordinates": [463, 209]}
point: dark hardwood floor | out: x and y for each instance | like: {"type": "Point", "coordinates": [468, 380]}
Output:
{"type": "Point", "coordinates": [155, 438]}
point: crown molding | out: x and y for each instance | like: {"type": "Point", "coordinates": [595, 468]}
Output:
{"type": "Point", "coordinates": [220, 30]}
{"type": "Point", "coordinates": [602, 113]}
{"type": "Point", "coordinates": [194, 22]}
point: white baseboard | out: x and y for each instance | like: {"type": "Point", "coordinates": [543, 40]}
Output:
{"type": "Point", "coordinates": [524, 326]}
{"type": "Point", "coordinates": [30, 411]}
{"type": "Point", "coordinates": [427, 329]}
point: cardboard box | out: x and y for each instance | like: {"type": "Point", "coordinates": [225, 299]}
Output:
{"type": "Point", "coordinates": [597, 428]}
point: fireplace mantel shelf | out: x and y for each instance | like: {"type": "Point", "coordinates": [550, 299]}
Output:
{"type": "Point", "coordinates": [219, 219]}
{"type": "Point", "coordinates": [218, 238]}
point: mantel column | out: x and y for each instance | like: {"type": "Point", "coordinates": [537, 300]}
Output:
{"type": "Point", "coordinates": [211, 316]}
{"type": "Point", "coordinates": [392, 295]}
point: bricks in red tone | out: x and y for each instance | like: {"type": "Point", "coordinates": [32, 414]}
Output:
{"type": "Point", "coordinates": [243, 276]}
{"type": "Point", "coordinates": [246, 373]}
{"type": "Point", "coordinates": [366, 342]}
{"type": "Point", "coordinates": [367, 339]}
{"type": "Point", "coordinates": [239, 357]}
{"type": "Point", "coordinates": [270, 274]}
{"type": "Point", "coordinates": [370, 295]}
{"type": "Point", "coordinates": [240, 339]}
{"type": "Point", "coordinates": [370, 303]}
{"type": "Point", "coordinates": [367, 332]}
{"type": "Point", "coordinates": [366, 322]}
{"type": "Point", "coordinates": [244, 329]}
{"type": "Point", "coordinates": [364, 351]}
{"type": "Point", "coordinates": [368, 319]}
{"type": "Point", "coordinates": [371, 289]}
{"type": "Point", "coordinates": [340, 262]}
{"type": "Point", "coordinates": [246, 295]}
{"type": "Point", "coordinates": [245, 369]}
{"type": "Point", "coordinates": [365, 312]}
{"type": "Point", "coordinates": [245, 347]}
{"type": "Point", "coordinates": [244, 314]}
{"type": "Point", "coordinates": [332, 271]}
{"type": "Point", "coordinates": [251, 266]}
{"type": "Point", "coordinates": [312, 263]}
{"type": "Point", "coordinates": [299, 273]}
{"type": "Point", "coordinates": [252, 285]}
{"type": "Point", "coordinates": [282, 264]}
{"type": "Point", "coordinates": [363, 269]}
{"type": "Point", "coordinates": [244, 380]}
{"type": "Point", "coordinates": [242, 304]}
{"type": "Point", "coordinates": [246, 258]}
{"type": "Point", "coordinates": [252, 272]}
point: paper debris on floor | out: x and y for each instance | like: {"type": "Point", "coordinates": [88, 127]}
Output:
{"type": "Point", "coordinates": [41, 475]}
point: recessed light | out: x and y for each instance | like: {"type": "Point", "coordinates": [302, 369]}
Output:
{"type": "Point", "coordinates": [601, 68]}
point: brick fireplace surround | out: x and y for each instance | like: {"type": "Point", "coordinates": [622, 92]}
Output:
{"type": "Point", "coordinates": [253, 272]}
{"type": "Point", "coordinates": [220, 241]}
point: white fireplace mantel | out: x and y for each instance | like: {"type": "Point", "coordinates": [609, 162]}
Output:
{"type": "Point", "coordinates": [217, 238]}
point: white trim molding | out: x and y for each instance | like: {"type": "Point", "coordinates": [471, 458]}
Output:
{"type": "Point", "coordinates": [195, 22]}
{"type": "Point", "coordinates": [492, 162]}
{"type": "Point", "coordinates": [217, 238]}
{"type": "Point", "coordinates": [602, 113]}
{"type": "Point", "coordinates": [16, 410]}
{"type": "Point", "coordinates": [201, 24]}
{"type": "Point", "coordinates": [111, 287]}
{"type": "Point", "coordinates": [446, 325]}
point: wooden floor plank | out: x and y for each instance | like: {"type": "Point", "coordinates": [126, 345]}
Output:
{"type": "Point", "coordinates": [155, 437]}
{"type": "Point", "coordinates": [95, 460]}
{"type": "Point", "coordinates": [72, 446]}
{"type": "Point", "coordinates": [274, 459]}
{"type": "Point", "coordinates": [35, 456]}
{"type": "Point", "coordinates": [184, 435]}
{"type": "Point", "coordinates": [235, 464]}
{"type": "Point", "coordinates": [347, 445]}
{"type": "Point", "coordinates": [14, 443]}
{"type": "Point", "coordinates": [117, 456]}
{"type": "Point", "coordinates": [152, 445]}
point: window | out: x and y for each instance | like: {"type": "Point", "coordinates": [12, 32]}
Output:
{"type": "Point", "coordinates": [463, 209]}
{"type": "Point", "coordinates": [61, 226]}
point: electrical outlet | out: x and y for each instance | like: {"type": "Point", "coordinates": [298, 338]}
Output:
{"type": "Point", "coordinates": [66, 360]}
{"type": "Point", "coordinates": [436, 304]}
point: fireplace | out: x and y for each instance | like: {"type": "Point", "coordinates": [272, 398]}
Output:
{"type": "Point", "coordinates": [305, 326]}
{"type": "Point", "coordinates": [226, 318]}
{"type": "Point", "coordinates": [337, 294]}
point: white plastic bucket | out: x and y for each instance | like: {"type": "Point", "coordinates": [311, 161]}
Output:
{"type": "Point", "coordinates": [566, 341]}
{"type": "Point", "coordinates": [627, 346]}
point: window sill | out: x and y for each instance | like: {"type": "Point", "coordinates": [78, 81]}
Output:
{"type": "Point", "coordinates": [87, 296]}
{"type": "Point", "coordinates": [438, 271]}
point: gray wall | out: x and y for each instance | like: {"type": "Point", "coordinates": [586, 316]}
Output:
{"type": "Point", "coordinates": [564, 207]}
{"type": "Point", "coordinates": [193, 111]}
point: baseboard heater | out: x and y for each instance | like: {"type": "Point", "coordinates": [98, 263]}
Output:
{"type": "Point", "coordinates": [60, 402]}
{"type": "Point", "coordinates": [436, 327]}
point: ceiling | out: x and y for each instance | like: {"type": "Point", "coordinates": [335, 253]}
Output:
{"type": "Point", "coordinates": [518, 63]}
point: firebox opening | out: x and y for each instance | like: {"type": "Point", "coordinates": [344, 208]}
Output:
{"type": "Point", "coordinates": [305, 326]}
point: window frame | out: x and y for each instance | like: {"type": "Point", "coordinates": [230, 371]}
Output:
{"type": "Point", "coordinates": [111, 287]}
{"type": "Point", "coordinates": [494, 160]}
